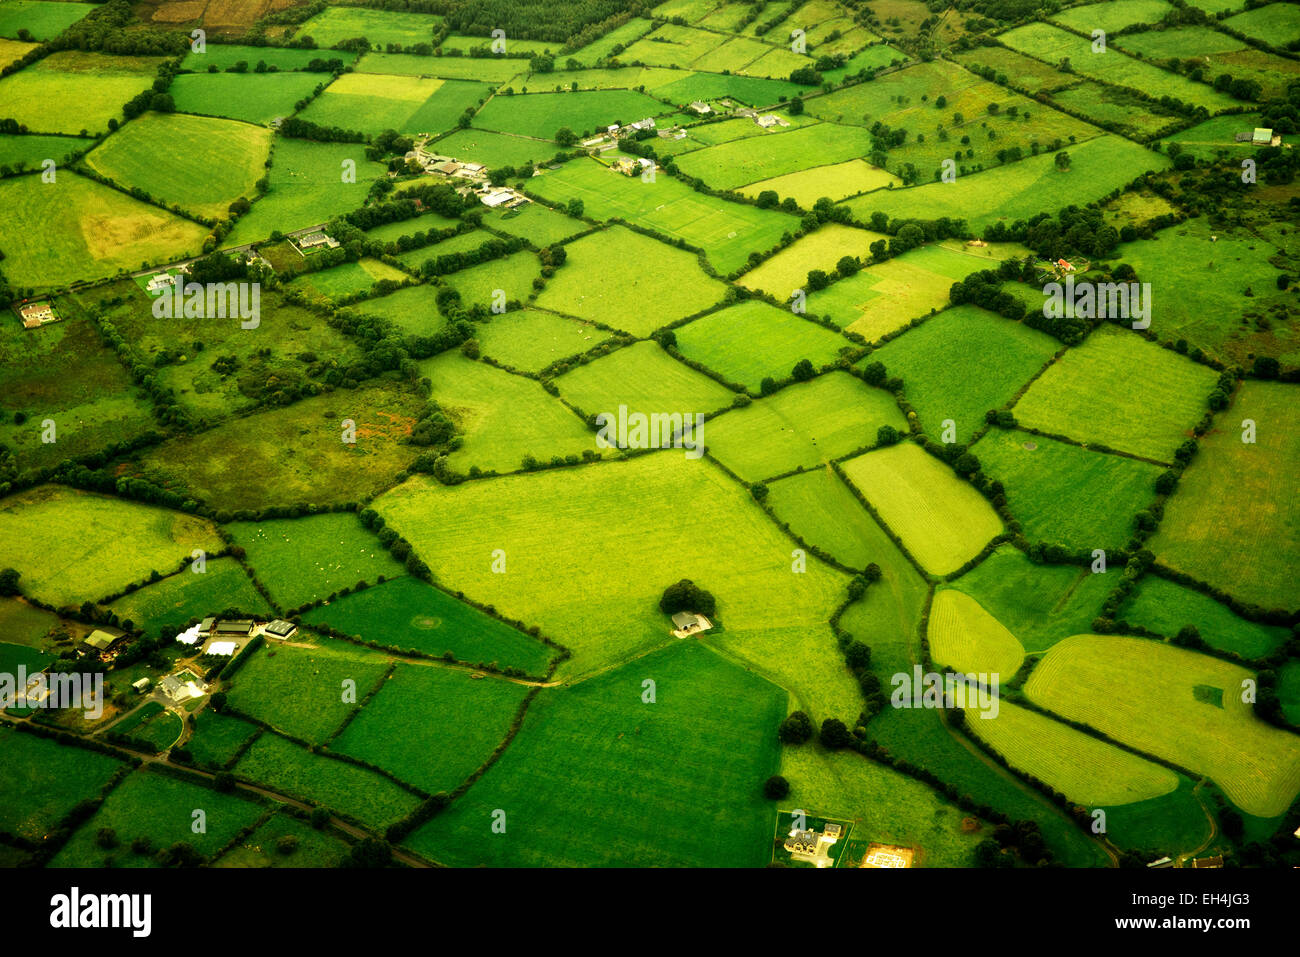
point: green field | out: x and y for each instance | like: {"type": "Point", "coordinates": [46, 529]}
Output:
{"type": "Point", "coordinates": [1275, 23]}
{"type": "Point", "coordinates": [484, 284]}
{"type": "Point", "coordinates": [220, 163]}
{"type": "Point", "coordinates": [408, 614]}
{"type": "Point", "coordinates": [155, 728]}
{"type": "Point", "coordinates": [263, 847]}
{"type": "Point", "coordinates": [218, 738]}
{"type": "Point", "coordinates": [822, 249]}
{"type": "Point", "coordinates": [348, 279]}
{"type": "Point", "coordinates": [251, 97]}
{"type": "Point", "coordinates": [529, 340]}
{"type": "Point", "coordinates": [1065, 400]}
{"type": "Point", "coordinates": [962, 363]}
{"type": "Point", "coordinates": [92, 545]}
{"type": "Point", "coordinates": [1143, 694]}
{"type": "Point", "coordinates": [178, 598]}
{"type": "Point", "coordinates": [965, 637]}
{"type": "Point", "coordinates": [541, 115]}
{"type": "Point", "coordinates": [72, 91]}
{"type": "Point", "coordinates": [822, 511]}
{"type": "Point", "coordinates": [486, 69]}
{"type": "Point", "coordinates": [494, 149]}
{"type": "Point", "coordinates": [373, 102]}
{"type": "Point", "coordinates": [540, 225]}
{"type": "Point", "coordinates": [1246, 542]}
{"type": "Point", "coordinates": [381, 27]}
{"type": "Point", "coordinates": [802, 426]}
{"type": "Point", "coordinates": [752, 159]}
{"type": "Point", "coordinates": [834, 180]}
{"type": "Point", "coordinates": [751, 341]}
{"type": "Point", "coordinates": [43, 780]}
{"type": "Point", "coordinates": [225, 55]}
{"type": "Point", "coordinates": [941, 519]}
{"type": "Point", "coordinates": [1166, 607]}
{"type": "Point", "coordinates": [43, 19]}
{"type": "Point", "coordinates": [645, 379]}
{"type": "Point", "coordinates": [18, 151]}
{"type": "Point", "coordinates": [594, 757]}
{"type": "Point", "coordinates": [1114, 15]}
{"type": "Point", "coordinates": [460, 722]}
{"type": "Point", "coordinates": [1064, 494]}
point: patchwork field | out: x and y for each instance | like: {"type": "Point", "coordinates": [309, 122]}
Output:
{"type": "Point", "coordinates": [43, 19]}
{"type": "Point", "coordinates": [1167, 608]}
{"type": "Point", "coordinates": [381, 27]}
{"type": "Point", "coordinates": [251, 97]}
{"type": "Point", "coordinates": [835, 180]}
{"type": "Point", "coordinates": [645, 379]}
{"type": "Point", "coordinates": [822, 249]}
{"type": "Point", "coordinates": [372, 103]}
{"type": "Point", "coordinates": [752, 159]}
{"type": "Point", "coordinates": [542, 115]}
{"type": "Point", "coordinates": [529, 340]}
{"type": "Point", "coordinates": [821, 510]}
{"type": "Point", "coordinates": [44, 782]}
{"type": "Point", "coordinates": [189, 594]}
{"type": "Point", "coordinates": [71, 91]}
{"type": "Point", "coordinates": [965, 637]}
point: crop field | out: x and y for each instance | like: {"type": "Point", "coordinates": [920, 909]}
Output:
{"type": "Point", "coordinates": [592, 752]}
{"type": "Point", "coordinates": [823, 249]}
{"type": "Point", "coordinates": [251, 97]}
{"type": "Point", "coordinates": [220, 163]}
{"type": "Point", "coordinates": [542, 115]}
{"type": "Point", "coordinates": [43, 782]}
{"type": "Point", "coordinates": [1221, 538]}
{"type": "Point", "coordinates": [43, 19]}
{"type": "Point", "coordinates": [753, 340]}
{"type": "Point", "coordinates": [71, 91]}
{"type": "Point", "coordinates": [801, 427]}
{"type": "Point", "coordinates": [966, 638]}
{"type": "Point", "coordinates": [302, 559]}
{"type": "Point", "coordinates": [191, 594]}
{"type": "Point", "coordinates": [461, 722]}
{"type": "Point", "coordinates": [645, 379]}
{"type": "Point", "coordinates": [1144, 694]}
{"type": "Point", "coordinates": [1066, 494]}
{"type": "Point", "coordinates": [941, 520]}
{"type": "Point", "coordinates": [727, 232]}
{"type": "Point", "coordinates": [409, 615]}
{"type": "Point", "coordinates": [1166, 607]}
{"type": "Point", "coordinates": [822, 511]}
{"type": "Point", "coordinates": [668, 283]}
{"type": "Point", "coordinates": [529, 340]}
{"type": "Point", "coordinates": [835, 180]}
{"type": "Point", "coordinates": [962, 363]}
{"type": "Point", "coordinates": [1063, 402]}
{"type": "Point", "coordinates": [92, 544]}
{"type": "Point", "coordinates": [381, 27]}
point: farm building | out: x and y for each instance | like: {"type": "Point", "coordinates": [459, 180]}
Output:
{"type": "Point", "coordinates": [689, 623]}
{"type": "Point", "coordinates": [238, 626]}
{"type": "Point", "coordinates": [316, 240]}
{"type": "Point", "coordinates": [1259, 136]}
{"type": "Point", "coordinates": [769, 120]}
{"type": "Point", "coordinates": [702, 108]}
{"type": "Point", "coordinates": [280, 628]}
{"type": "Point", "coordinates": [190, 636]}
{"type": "Point", "coordinates": [37, 314]}
{"type": "Point", "coordinates": [647, 124]}
{"type": "Point", "coordinates": [222, 649]}
{"type": "Point", "coordinates": [160, 281]}
{"type": "Point", "coordinates": [1208, 862]}
{"type": "Point", "coordinates": [181, 687]}
{"type": "Point", "coordinates": [141, 686]}
{"type": "Point", "coordinates": [101, 641]}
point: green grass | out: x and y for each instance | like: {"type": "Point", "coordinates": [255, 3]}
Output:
{"type": "Point", "coordinates": [494, 149]}
{"type": "Point", "coordinates": [218, 738]}
{"type": "Point", "coordinates": [749, 160]}
{"type": "Point", "coordinates": [408, 614]}
{"type": "Point", "coordinates": [645, 379]}
{"type": "Point", "coordinates": [381, 27]}
{"type": "Point", "coordinates": [461, 721]}
{"type": "Point", "coordinates": [11, 51]}
{"type": "Point", "coordinates": [472, 68]}
{"type": "Point", "coordinates": [251, 97]}
{"type": "Point", "coordinates": [1064, 494]}
{"type": "Point", "coordinates": [307, 188]}
{"type": "Point", "coordinates": [302, 559]}
{"type": "Point", "coordinates": [348, 279]}
{"type": "Point", "coordinates": [667, 284]}
{"type": "Point", "coordinates": [483, 284]}
{"type": "Point", "coordinates": [72, 91]}
{"type": "Point", "coordinates": [159, 807]}
{"type": "Point", "coordinates": [751, 341]}
{"type": "Point", "coordinates": [592, 758]}
{"type": "Point", "coordinates": [503, 417]}
{"type": "Point", "coordinates": [30, 151]}
{"type": "Point", "coordinates": [225, 55]}
{"type": "Point", "coordinates": [1114, 15]}
{"type": "Point", "coordinates": [1288, 690]}
{"type": "Point", "coordinates": [44, 780]}
{"type": "Point", "coordinates": [965, 637]}
{"type": "Point", "coordinates": [43, 20]}
{"type": "Point", "coordinates": [962, 363]}
{"type": "Point", "coordinates": [302, 691]}
{"type": "Point", "coordinates": [529, 341]}
{"type": "Point", "coordinates": [1246, 542]}
{"type": "Point", "coordinates": [1168, 825]}
{"type": "Point", "coordinates": [178, 598]}
{"type": "Point", "coordinates": [750, 90]}
{"type": "Point", "coordinates": [835, 180]}
{"type": "Point", "coordinates": [1065, 399]}
{"type": "Point", "coordinates": [541, 115]}
{"type": "Point", "coordinates": [802, 426]}
{"type": "Point", "coordinates": [727, 232]}
{"type": "Point", "coordinates": [75, 228]}
{"type": "Point", "coordinates": [821, 249]}
{"type": "Point", "coordinates": [414, 309]}
{"type": "Point", "coordinates": [1166, 608]}
{"type": "Point", "coordinates": [557, 527]}
{"type": "Point", "coordinates": [374, 102]}
{"type": "Point", "coordinates": [538, 224]}
{"type": "Point", "coordinates": [92, 545]}
{"type": "Point", "coordinates": [602, 47]}
{"type": "Point", "coordinates": [1275, 23]}
{"type": "Point", "coordinates": [261, 848]}
{"type": "Point", "coordinates": [941, 519]}
{"type": "Point", "coordinates": [822, 511]}
{"type": "Point", "coordinates": [347, 789]}
{"type": "Point", "coordinates": [1140, 692]}
{"type": "Point", "coordinates": [151, 725]}
{"type": "Point", "coordinates": [25, 624]}
{"type": "Point", "coordinates": [220, 162]}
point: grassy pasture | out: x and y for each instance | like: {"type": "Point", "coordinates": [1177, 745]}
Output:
{"type": "Point", "coordinates": [92, 545]}
{"type": "Point", "coordinates": [373, 102]}
{"type": "Point", "coordinates": [11, 51]}
{"type": "Point", "coordinates": [494, 149]}
{"type": "Point", "coordinates": [821, 249]}
{"type": "Point", "coordinates": [540, 225]}
{"type": "Point", "coordinates": [603, 46]}
{"type": "Point", "coordinates": [665, 284]}
{"type": "Point", "coordinates": [822, 511]}
{"type": "Point", "coordinates": [357, 792]}
{"type": "Point", "coordinates": [17, 150]}
{"type": "Point", "coordinates": [460, 722]}
{"type": "Point", "coordinates": [159, 807]}
{"type": "Point", "coordinates": [941, 519]}
{"type": "Point", "coordinates": [751, 90]}
{"type": "Point", "coordinates": [752, 340]}
{"type": "Point", "coordinates": [729, 165]}
{"type": "Point", "coordinates": [414, 310]}
{"type": "Point", "coordinates": [301, 445]}
{"type": "Point", "coordinates": [178, 598]}
{"type": "Point", "coordinates": [1166, 607]}
{"type": "Point", "coordinates": [1030, 74]}
{"type": "Point", "coordinates": [71, 91]}
{"type": "Point", "coordinates": [585, 751]}
{"type": "Point", "coordinates": [1062, 493]}
{"type": "Point", "coordinates": [301, 691]}
{"type": "Point", "coordinates": [225, 55]}
{"type": "Point", "coordinates": [251, 97]}
{"type": "Point", "coordinates": [261, 848]}
{"type": "Point", "coordinates": [307, 188]}
{"type": "Point", "coordinates": [75, 228]}
{"type": "Point", "coordinates": [1065, 400]}
{"type": "Point", "coordinates": [834, 180]}
{"type": "Point", "coordinates": [381, 27]}
{"type": "Point", "coordinates": [220, 162]}
{"type": "Point", "coordinates": [962, 363]}
{"type": "Point", "coordinates": [513, 275]}
{"type": "Point", "coordinates": [530, 341]}
{"type": "Point", "coordinates": [1144, 694]}
{"type": "Point", "coordinates": [301, 559]}
{"type": "Point", "coordinates": [503, 417]}
{"type": "Point", "coordinates": [1246, 542]}
{"type": "Point", "coordinates": [1275, 23]}
{"type": "Point", "coordinates": [1020, 190]}
{"type": "Point", "coordinates": [965, 637]}
{"type": "Point", "coordinates": [645, 379]}
{"type": "Point", "coordinates": [218, 738]}
{"type": "Point", "coordinates": [556, 525]}
{"type": "Point", "coordinates": [673, 45]}
{"type": "Point", "coordinates": [540, 115]}
{"type": "Point", "coordinates": [727, 232]}
{"type": "Point", "coordinates": [151, 725]}
{"type": "Point", "coordinates": [1112, 16]}
{"type": "Point", "coordinates": [802, 426]}
{"type": "Point", "coordinates": [43, 19]}
{"type": "Point", "coordinates": [1083, 768]}
{"type": "Point", "coordinates": [1216, 137]}
{"type": "Point", "coordinates": [347, 279]}
{"type": "Point", "coordinates": [43, 780]}
{"type": "Point", "coordinates": [391, 232]}
{"type": "Point", "coordinates": [408, 614]}
{"type": "Point", "coordinates": [484, 69]}
{"type": "Point", "coordinates": [1101, 103]}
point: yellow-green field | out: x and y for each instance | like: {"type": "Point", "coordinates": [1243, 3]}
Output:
{"type": "Point", "coordinates": [968, 639]}
{"type": "Point", "coordinates": [71, 91]}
